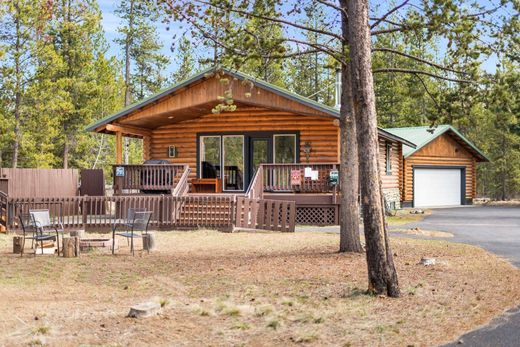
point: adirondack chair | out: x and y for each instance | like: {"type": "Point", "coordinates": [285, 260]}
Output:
{"type": "Point", "coordinates": [135, 226]}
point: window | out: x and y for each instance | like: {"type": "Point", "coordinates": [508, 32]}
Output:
{"type": "Point", "coordinates": [388, 158]}
{"type": "Point", "coordinates": [284, 148]}
{"type": "Point", "coordinates": [233, 160]}
{"type": "Point", "coordinates": [210, 156]}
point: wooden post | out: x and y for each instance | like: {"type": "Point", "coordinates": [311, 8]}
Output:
{"type": "Point", "coordinates": [77, 233]}
{"type": "Point", "coordinates": [119, 147]}
{"type": "Point", "coordinates": [17, 244]}
{"type": "Point", "coordinates": [149, 242]}
{"type": "Point", "coordinates": [71, 247]}
{"type": "Point", "coordinates": [84, 211]}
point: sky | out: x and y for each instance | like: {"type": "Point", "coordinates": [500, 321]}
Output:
{"type": "Point", "coordinates": [110, 23]}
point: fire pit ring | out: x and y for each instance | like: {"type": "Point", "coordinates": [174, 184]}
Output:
{"type": "Point", "coordinates": [98, 244]}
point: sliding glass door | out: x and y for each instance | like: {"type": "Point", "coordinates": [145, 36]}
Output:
{"type": "Point", "coordinates": [234, 158]}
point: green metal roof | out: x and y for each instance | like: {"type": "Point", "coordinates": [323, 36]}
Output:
{"type": "Point", "coordinates": [333, 112]}
{"type": "Point", "coordinates": [423, 135]}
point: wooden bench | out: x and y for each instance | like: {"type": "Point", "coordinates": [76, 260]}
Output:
{"type": "Point", "coordinates": [206, 185]}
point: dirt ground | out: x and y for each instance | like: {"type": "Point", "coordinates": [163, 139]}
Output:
{"type": "Point", "coordinates": [249, 289]}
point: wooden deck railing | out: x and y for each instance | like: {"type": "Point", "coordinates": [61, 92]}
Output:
{"type": "Point", "coordinates": [256, 187]}
{"type": "Point", "coordinates": [101, 212]}
{"type": "Point", "coordinates": [146, 177]}
{"type": "Point", "coordinates": [3, 210]}
{"type": "Point", "coordinates": [183, 185]}
{"type": "Point", "coordinates": [278, 178]}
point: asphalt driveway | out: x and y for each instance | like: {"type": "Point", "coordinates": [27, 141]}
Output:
{"type": "Point", "coordinates": [496, 229]}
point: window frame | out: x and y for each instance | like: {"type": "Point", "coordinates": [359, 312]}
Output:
{"type": "Point", "coordinates": [200, 155]}
{"type": "Point", "coordinates": [248, 135]}
{"type": "Point", "coordinates": [296, 149]}
{"type": "Point", "coordinates": [388, 158]}
{"type": "Point", "coordinates": [223, 166]}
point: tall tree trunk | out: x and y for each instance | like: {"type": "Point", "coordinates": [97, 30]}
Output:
{"type": "Point", "coordinates": [382, 274]}
{"type": "Point", "coordinates": [128, 92]}
{"type": "Point", "coordinates": [66, 148]}
{"type": "Point", "coordinates": [18, 87]}
{"type": "Point", "coordinates": [349, 165]}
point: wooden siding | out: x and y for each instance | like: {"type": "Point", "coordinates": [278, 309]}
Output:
{"type": "Point", "coordinates": [391, 180]}
{"type": "Point", "coordinates": [443, 151]}
{"type": "Point", "coordinates": [30, 183]}
{"type": "Point", "coordinates": [201, 96]}
{"type": "Point", "coordinates": [320, 132]}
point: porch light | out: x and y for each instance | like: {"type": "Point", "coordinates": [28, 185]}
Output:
{"type": "Point", "coordinates": [307, 150]}
{"type": "Point", "coordinates": [172, 151]}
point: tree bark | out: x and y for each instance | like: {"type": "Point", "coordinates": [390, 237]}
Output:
{"type": "Point", "coordinates": [382, 274]}
{"type": "Point", "coordinates": [349, 165]}
{"type": "Point", "coordinates": [18, 88]}
{"type": "Point", "coordinates": [66, 153]}
{"type": "Point", "coordinates": [128, 94]}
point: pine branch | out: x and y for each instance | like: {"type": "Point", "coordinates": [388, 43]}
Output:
{"type": "Point", "coordinates": [421, 60]}
{"type": "Point", "coordinates": [428, 92]}
{"type": "Point", "coordinates": [419, 72]}
{"type": "Point", "coordinates": [378, 21]}
{"type": "Point", "coordinates": [276, 20]}
{"type": "Point", "coordinates": [402, 28]}
{"type": "Point", "coordinates": [334, 6]}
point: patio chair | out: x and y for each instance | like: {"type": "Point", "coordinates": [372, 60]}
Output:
{"type": "Point", "coordinates": [135, 227]}
{"type": "Point", "coordinates": [41, 220]}
{"type": "Point", "coordinates": [30, 232]}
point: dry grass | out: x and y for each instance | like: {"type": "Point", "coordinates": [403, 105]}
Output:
{"type": "Point", "coordinates": [254, 289]}
{"type": "Point", "coordinates": [421, 232]}
{"type": "Point", "coordinates": [404, 217]}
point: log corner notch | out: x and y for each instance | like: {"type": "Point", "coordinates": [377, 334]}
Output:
{"type": "Point", "coordinates": [120, 131]}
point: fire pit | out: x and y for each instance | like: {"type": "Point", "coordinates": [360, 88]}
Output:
{"type": "Point", "coordinates": [98, 244]}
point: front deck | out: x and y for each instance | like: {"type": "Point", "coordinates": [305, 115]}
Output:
{"type": "Point", "coordinates": [278, 197]}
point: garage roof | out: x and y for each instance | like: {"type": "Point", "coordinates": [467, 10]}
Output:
{"type": "Point", "coordinates": [423, 135]}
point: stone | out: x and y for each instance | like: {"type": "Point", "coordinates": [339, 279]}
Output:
{"type": "Point", "coordinates": [145, 309]}
{"type": "Point", "coordinates": [427, 261]}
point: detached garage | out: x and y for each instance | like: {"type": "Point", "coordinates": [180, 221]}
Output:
{"type": "Point", "coordinates": [441, 170]}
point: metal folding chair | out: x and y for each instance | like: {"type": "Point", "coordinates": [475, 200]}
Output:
{"type": "Point", "coordinates": [41, 220]}
{"type": "Point", "coordinates": [136, 226]}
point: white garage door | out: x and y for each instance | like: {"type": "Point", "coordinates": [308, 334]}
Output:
{"type": "Point", "coordinates": [436, 187]}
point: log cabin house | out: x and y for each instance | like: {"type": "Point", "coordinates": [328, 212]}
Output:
{"type": "Point", "coordinates": [441, 170]}
{"type": "Point", "coordinates": [243, 136]}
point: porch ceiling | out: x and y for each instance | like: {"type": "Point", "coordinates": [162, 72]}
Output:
{"type": "Point", "coordinates": [167, 117]}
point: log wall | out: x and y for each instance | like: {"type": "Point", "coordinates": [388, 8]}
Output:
{"type": "Point", "coordinates": [320, 132]}
{"type": "Point", "coordinates": [443, 151]}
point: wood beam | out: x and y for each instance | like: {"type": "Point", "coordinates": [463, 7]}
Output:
{"type": "Point", "coordinates": [128, 130]}
{"type": "Point", "coordinates": [119, 147]}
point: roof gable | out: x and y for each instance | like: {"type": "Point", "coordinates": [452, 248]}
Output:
{"type": "Point", "coordinates": [266, 94]}
{"type": "Point", "coordinates": [424, 135]}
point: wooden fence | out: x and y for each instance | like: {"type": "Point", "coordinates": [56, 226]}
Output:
{"type": "Point", "coordinates": [24, 183]}
{"type": "Point", "coordinates": [169, 212]}
{"type": "Point", "coordinates": [101, 212]}
{"type": "Point", "coordinates": [265, 214]}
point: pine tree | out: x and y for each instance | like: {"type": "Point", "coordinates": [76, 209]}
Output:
{"type": "Point", "coordinates": [19, 19]}
{"type": "Point", "coordinates": [185, 60]}
{"type": "Point", "coordinates": [143, 62]}
{"type": "Point", "coordinates": [263, 42]}
{"type": "Point", "coordinates": [313, 74]}
{"type": "Point", "coordinates": [74, 31]}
